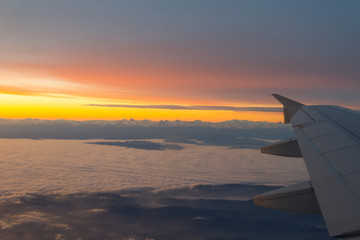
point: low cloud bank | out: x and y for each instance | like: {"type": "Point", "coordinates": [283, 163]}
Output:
{"type": "Point", "coordinates": [228, 133]}
{"type": "Point", "coordinates": [200, 212]}
{"type": "Point", "coordinates": [235, 124]}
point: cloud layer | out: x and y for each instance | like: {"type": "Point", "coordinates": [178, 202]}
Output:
{"type": "Point", "coordinates": [201, 213]}
{"type": "Point", "coordinates": [228, 133]}
{"type": "Point", "coordinates": [68, 166]}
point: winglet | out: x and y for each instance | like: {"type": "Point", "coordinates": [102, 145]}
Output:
{"type": "Point", "coordinates": [290, 106]}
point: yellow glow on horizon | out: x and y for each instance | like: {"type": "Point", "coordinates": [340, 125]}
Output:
{"type": "Point", "coordinates": [44, 107]}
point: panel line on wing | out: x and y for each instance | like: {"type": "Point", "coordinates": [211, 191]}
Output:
{"type": "Point", "coordinates": [320, 129]}
{"type": "Point", "coordinates": [325, 135]}
{"type": "Point", "coordinates": [345, 160]}
{"type": "Point", "coordinates": [301, 118]}
{"type": "Point", "coordinates": [340, 125]}
{"type": "Point", "coordinates": [331, 167]}
{"type": "Point", "coordinates": [352, 173]}
{"type": "Point", "coordinates": [340, 149]}
{"type": "Point", "coordinates": [308, 114]}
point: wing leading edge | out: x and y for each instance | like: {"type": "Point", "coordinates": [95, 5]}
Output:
{"type": "Point", "coordinates": [328, 138]}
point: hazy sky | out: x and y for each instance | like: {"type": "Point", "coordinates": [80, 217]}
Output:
{"type": "Point", "coordinates": [70, 54]}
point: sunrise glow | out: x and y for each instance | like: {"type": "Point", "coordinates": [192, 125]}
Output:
{"type": "Point", "coordinates": [43, 107]}
{"type": "Point", "coordinates": [55, 67]}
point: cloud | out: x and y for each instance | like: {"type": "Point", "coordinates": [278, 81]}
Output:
{"type": "Point", "coordinates": [145, 145]}
{"type": "Point", "coordinates": [202, 212]}
{"type": "Point", "coordinates": [69, 166]}
{"type": "Point", "coordinates": [234, 133]}
{"type": "Point", "coordinates": [194, 107]}
{"type": "Point", "coordinates": [236, 124]}
{"type": "Point", "coordinates": [31, 217]}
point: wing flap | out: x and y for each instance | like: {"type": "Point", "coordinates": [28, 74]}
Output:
{"type": "Point", "coordinates": [295, 198]}
{"type": "Point", "coordinates": [286, 148]}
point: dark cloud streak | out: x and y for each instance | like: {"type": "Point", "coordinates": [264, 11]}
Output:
{"type": "Point", "coordinates": [145, 145]}
{"type": "Point", "coordinates": [194, 107]}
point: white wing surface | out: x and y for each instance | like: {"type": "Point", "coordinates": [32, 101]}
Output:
{"type": "Point", "coordinates": [328, 138]}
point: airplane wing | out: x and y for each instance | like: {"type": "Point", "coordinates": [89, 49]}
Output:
{"type": "Point", "coordinates": [328, 138]}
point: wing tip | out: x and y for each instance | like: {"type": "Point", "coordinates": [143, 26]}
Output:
{"type": "Point", "coordinates": [290, 106]}
{"type": "Point", "coordinates": [286, 101]}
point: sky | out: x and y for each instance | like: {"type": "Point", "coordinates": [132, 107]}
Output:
{"type": "Point", "coordinates": [208, 60]}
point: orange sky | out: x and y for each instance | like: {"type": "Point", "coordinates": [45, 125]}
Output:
{"type": "Point", "coordinates": [62, 91]}
{"type": "Point", "coordinates": [57, 58]}
{"type": "Point", "coordinates": [64, 100]}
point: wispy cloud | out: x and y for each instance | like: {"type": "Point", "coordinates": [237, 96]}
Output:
{"type": "Point", "coordinates": [194, 107]}
{"type": "Point", "coordinates": [34, 82]}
